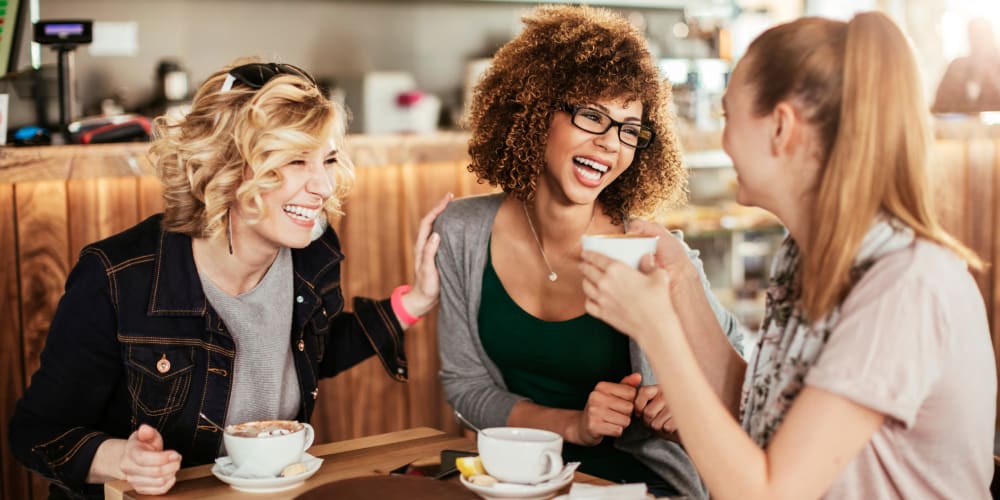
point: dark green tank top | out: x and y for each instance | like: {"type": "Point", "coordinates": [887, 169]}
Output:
{"type": "Point", "coordinates": [557, 364]}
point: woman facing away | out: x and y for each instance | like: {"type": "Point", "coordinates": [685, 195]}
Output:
{"type": "Point", "coordinates": [571, 122]}
{"type": "Point", "coordinates": [874, 375]}
{"type": "Point", "coordinates": [228, 304]}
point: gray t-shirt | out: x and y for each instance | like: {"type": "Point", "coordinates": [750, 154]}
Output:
{"type": "Point", "coordinates": [265, 385]}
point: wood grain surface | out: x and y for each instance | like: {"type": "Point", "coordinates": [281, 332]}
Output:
{"type": "Point", "coordinates": [14, 482]}
{"type": "Point", "coordinates": [43, 263]}
{"type": "Point", "coordinates": [98, 208]}
{"type": "Point", "coordinates": [370, 456]}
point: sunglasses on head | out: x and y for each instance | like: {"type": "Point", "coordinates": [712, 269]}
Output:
{"type": "Point", "coordinates": [255, 75]}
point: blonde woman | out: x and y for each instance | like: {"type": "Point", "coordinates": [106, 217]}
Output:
{"type": "Point", "coordinates": [227, 305]}
{"type": "Point", "coordinates": [874, 375]}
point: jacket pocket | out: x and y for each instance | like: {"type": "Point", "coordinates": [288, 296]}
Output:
{"type": "Point", "coordinates": [317, 334]}
{"type": "Point", "coordinates": [159, 377]}
{"type": "Point", "coordinates": [332, 304]}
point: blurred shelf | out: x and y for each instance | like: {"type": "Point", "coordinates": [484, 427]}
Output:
{"type": "Point", "coordinates": [697, 221]}
{"type": "Point", "coordinates": [711, 158]}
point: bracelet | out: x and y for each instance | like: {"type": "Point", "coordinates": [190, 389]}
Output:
{"type": "Point", "coordinates": [399, 308]}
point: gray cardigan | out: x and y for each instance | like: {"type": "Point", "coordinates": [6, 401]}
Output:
{"type": "Point", "coordinates": [474, 385]}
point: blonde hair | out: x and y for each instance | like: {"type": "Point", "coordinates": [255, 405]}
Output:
{"type": "Point", "coordinates": [874, 131]}
{"type": "Point", "coordinates": [227, 150]}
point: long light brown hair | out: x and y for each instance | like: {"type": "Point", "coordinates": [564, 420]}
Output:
{"type": "Point", "coordinates": [858, 84]}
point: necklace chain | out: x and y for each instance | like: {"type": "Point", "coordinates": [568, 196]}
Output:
{"type": "Point", "coordinates": [531, 225]}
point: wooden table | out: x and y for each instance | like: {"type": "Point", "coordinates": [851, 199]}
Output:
{"type": "Point", "coordinates": [367, 456]}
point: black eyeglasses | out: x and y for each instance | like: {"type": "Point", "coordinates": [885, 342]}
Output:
{"type": "Point", "coordinates": [597, 122]}
{"type": "Point", "coordinates": [255, 75]}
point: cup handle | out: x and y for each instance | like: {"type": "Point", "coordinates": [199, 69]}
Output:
{"type": "Point", "coordinates": [310, 435]}
{"type": "Point", "coordinates": [555, 465]}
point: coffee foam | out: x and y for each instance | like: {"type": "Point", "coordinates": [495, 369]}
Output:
{"type": "Point", "coordinates": [264, 428]}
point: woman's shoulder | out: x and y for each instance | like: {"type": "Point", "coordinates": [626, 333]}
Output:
{"type": "Point", "coordinates": [136, 241]}
{"type": "Point", "coordinates": [475, 210]}
{"type": "Point", "coordinates": [922, 268]}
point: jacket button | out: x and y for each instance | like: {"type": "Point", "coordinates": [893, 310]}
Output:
{"type": "Point", "coordinates": [163, 365]}
{"type": "Point", "coordinates": [302, 345]}
{"type": "Point", "coordinates": [300, 299]}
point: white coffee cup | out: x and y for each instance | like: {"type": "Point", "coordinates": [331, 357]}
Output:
{"type": "Point", "coordinates": [266, 447]}
{"type": "Point", "coordinates": [520, 455]}
{"type": "Point", "coordinates": [628, 248]}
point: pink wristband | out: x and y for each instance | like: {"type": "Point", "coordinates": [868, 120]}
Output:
{"type": "Point", "coordinates": [399, 308]}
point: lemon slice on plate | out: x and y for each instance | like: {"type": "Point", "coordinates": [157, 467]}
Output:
{"type": "Point", "coordinates": [469, 466]}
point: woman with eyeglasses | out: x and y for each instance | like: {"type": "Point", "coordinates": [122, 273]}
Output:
{"type": "Point", "coordinates": [571, 122]}
{"type": "Point", "coordinates": [226, 308]}
{"type": "Point", "coordinates": [874, 375]}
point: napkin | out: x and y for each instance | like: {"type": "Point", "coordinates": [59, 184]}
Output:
{"type": "Point", "coordinates": [254, 471]}
{"type": "Point", "coordinates": [631, 491]}
{"type": "Point", "coordinates": [565, 475]}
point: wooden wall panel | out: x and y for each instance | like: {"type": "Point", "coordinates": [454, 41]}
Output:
{"type": "Point", "coordinates": [978, 214]}
{"type": "Point", "coordinates": [14, 481]}
{"type": "Point", "coordinates": [150, 197]}
{"type": "Point", "coordinates": [372, 224]}
{"type": "Point", "coordinates": [949, 181]}
{"type": "Point", "coordinates": [43, 255]}
{"type": "Point", "coordinates": [43, 251]}
{"type": "Point", "coordinates": [423, 186]}
{"type": "Point", "coordinates": [994, 258]}
{"type": "Point", "coordinates": [98, 208]}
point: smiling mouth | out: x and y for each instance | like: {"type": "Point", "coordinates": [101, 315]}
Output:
{"type": "Point", "coordinates": [590, 168]}
{"type": "Point", "coordinates": [299, 212]}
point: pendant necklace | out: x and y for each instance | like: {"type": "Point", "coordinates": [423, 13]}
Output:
{"type": "Point", "coordinates": [552, 274]}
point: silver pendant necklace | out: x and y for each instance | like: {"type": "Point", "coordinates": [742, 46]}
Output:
{"type": "Point", "coordinates": [552, 274]}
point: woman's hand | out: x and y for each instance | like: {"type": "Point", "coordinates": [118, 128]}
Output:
{"type": "Point", "coordinates": [636, 303]}
{"type": "Point", "coordinates": [147, 467]}
{"type": "Point", "coordinates": [651, 407]}
{"type": "Point", "coordinates": [608, 411]}
{"type": "Point", "coordinates": [670, 253]}
{"type": "Point", "coordinates": [423, 296]}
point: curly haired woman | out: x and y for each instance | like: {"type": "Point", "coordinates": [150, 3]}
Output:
{"type": "Point", "coordinates": [571, 123]}
{"type": "Point", "coordinates": [227, 306]}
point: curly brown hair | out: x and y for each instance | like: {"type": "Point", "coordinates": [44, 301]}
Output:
{"type": "Point", "coordinates": [572, 55]}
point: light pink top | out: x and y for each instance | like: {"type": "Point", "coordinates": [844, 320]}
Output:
{"type": "Point", "coordinates": [913, 343]}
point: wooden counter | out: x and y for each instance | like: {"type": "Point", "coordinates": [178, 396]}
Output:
{"type": "Point", "coordinates": [57, 199]}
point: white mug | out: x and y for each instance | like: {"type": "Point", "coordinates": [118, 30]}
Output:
{"type": "Point", "coordinates": [628, 248]}
{"type": "Point", "coordinates": [520, 455]}
{"type": "Point", "coordinates": [251, 450]}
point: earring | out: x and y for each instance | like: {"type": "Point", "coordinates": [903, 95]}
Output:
{"type": "Point", "coordinates": [229, 230]}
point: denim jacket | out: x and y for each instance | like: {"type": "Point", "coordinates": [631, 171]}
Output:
{"type": "Point", "coordinates": [133, 301]}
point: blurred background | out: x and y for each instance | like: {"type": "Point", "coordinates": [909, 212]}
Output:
{"type": "Point", "coordinates": [142, 48]}
{"type": "Point", "coordinates": [408, 66]}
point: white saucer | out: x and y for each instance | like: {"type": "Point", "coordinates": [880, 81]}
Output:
{"type": "Point", "coordinates": [223, 469]}
{"type": "Point", "coordinates": [520, 491]}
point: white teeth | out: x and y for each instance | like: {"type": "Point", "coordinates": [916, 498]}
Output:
{"type": "Point", "coordinates": [301, 213]}
{"type": "Point", "coordinates": [588, 173]}
{"type": "Point", "coordinates": [600, 167]}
